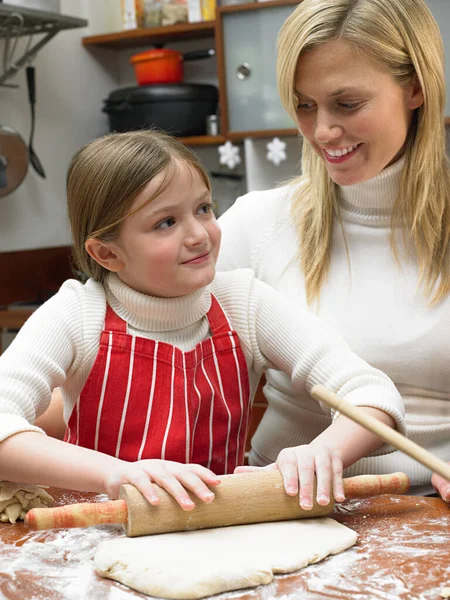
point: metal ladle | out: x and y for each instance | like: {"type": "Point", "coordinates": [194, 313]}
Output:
{"type": "Point", "coordinates": [34, 159]}
{"type": "Point", "coordinates": [31, 85]}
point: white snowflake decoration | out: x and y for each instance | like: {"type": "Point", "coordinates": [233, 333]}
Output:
{"type": "Point", "coordinates": [276, 151]}
{"type": "Point", "coordinates": [229, 155]}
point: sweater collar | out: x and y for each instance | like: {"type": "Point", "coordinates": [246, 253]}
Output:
{"type": "Point", "coordinates": [372, 201]}
{"type": "Point", "coordinates": [148, 313]}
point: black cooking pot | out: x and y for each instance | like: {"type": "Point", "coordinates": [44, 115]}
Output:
{"type": "Point", "coordinates": [179, 108]}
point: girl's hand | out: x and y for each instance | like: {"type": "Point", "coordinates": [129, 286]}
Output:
{"type": "Point", "coordinates": [442, 486]}
{"type": "Point", "coordinates": [172, 476]}
{"type": "Point", "coordinates": [299, 465]}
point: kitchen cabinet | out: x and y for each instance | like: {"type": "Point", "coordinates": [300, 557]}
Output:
{"type": "Point", "coordinates": [230, 30]}
{"type": "Point", "coordinates": [247, 62]}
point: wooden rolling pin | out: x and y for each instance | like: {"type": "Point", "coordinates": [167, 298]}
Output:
{"type": "Point", "coordinates": [388, 435]}
{"type": "Point", "coordinates": [254, 497]}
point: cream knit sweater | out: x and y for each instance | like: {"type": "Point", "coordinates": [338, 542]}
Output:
{"type": "Point", "coordinates": [376, 306]}
{"type": "Point", "coordinates": [59, 343]}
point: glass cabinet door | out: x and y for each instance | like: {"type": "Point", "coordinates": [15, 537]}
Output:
{"type": "Point", "coordinates": [249, 40]}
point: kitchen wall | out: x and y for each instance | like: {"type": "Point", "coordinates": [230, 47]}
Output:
{"type": "Point", "coordinates": [71, 84]}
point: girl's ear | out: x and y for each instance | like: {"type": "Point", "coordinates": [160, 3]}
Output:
{"type": "Point", "coordinates": [105, 253]}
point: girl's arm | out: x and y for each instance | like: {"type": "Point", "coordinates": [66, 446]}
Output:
{"type": "Point", "coordinates": [54, 344]}
{"type": "Point", "coordinates": [31, 457]}
{"type": "Point", "coordinates": [310, 352]}
{"type": "Point", "coordinates": [339, 446]}
{"type": "Point", "coordinates": [52, 421]}
{"type": "Point", "coordinates": [299, 344]}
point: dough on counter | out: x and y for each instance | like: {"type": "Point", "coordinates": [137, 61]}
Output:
{"type": "Point", "coordinates": [194, 564]}
{"type": "Point", "coordinates": [17, 498]}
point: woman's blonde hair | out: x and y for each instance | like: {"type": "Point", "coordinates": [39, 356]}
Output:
{"type": "Point", "coordinates": [403, 36]}
{"type": "Point", "coordinates": [106, 176]}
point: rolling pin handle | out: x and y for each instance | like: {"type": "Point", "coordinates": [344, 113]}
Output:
{"type": "Point", "coordinates": [84, 514]}
{"type": "Point", "coordinates": [366, 486]}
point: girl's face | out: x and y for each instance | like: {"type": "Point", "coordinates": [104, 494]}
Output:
{"type": "Point", "coordinates": [169, 248]}
{"type": "Point", "coordinates": [351, 110]}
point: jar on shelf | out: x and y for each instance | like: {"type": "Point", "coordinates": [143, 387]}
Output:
{"type": "Point", "coordinates": [152, 13]}
{"type": "Point", "coordinates": [173, 12]}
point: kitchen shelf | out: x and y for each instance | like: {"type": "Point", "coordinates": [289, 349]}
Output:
{"type": "Point", "coordinates": [238, 136]}
{"type": "Point", "coordinates": [134, 38]}
{"type": "Point", "coordinates": [255, 5]}
{"type": "Point", "coordinates": [203, 140]}
{"type": "Point", "coordinates": [17, 21]}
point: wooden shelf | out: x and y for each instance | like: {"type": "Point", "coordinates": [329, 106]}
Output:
{"type": "Point", "coordinates": [203, 140]}
{"type": "Point", "coordinates": [255, 5]}
{"type": "Point", "coordinates": [134, 38]}
{"type": "Point", "coordinates": [237, 136]}
{"type": "Point", "coordinates": [447, 120]}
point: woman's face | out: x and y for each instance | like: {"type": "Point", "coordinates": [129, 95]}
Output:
{"type": "Point", "coordinates": [352, 111]}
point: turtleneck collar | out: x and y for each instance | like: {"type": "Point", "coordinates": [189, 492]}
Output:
{"type": "Point", "coordinates": [373, 200]}
{"type": "Point", "coordinates": [148, 313]}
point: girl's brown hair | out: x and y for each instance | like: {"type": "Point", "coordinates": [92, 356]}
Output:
{"type": "Point", "coordinates": [106, 176]}
{"type": "Point", "coordinates": [403, 36]}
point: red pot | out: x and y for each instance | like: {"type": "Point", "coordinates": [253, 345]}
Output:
{"type": "Point", "coordinates": [161, 65]}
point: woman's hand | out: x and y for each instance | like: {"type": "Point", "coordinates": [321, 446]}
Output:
{"type": "Point", "coordinates": [174, 477]}
{"type": "Point", "coordinates": [442, 486]}
{"type": "Point", "coordinates": [299, 465]}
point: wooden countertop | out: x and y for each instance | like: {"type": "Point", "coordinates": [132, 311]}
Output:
{"type": "Point", "coordinates": [403, 551]}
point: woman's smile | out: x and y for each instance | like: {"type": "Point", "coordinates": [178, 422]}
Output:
{"type": "Point", "coordinates": [340, 155]}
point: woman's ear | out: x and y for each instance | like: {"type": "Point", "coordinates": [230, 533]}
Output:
{"type": "Point", "coordinates": [415, 94]}
{"type": "Point", "coordinates": [105, 253]}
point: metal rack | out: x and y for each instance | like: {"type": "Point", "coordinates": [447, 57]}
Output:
{"type": "Point", "coordinates": [18, 23]}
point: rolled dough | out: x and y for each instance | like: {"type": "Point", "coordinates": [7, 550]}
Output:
{"type": "Point", "coordinates": [17, 498]}
{"type": "Point", "coordinates": [194, 564]}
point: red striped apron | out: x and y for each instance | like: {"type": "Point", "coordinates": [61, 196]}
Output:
{"type": "Point", "coordinates": [149, 399]}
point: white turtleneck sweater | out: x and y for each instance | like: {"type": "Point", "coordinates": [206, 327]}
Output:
{"type": "Point", "coordinates": [58, 344]}
{"type": "Point", "coordinates": [376, 306]}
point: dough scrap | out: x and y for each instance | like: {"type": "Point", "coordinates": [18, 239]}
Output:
{"type": "Point", "coordinates": [17, 498]}
{"type": "Point", "coordinates": [194, 564]}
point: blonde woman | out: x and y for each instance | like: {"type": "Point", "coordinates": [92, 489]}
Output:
{"type": "Point", "coordinates": [362, 236]}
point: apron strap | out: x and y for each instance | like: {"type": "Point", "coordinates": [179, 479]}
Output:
{"type": "Point", "coordinates": [218, 321]}
{"type": "Point", "coordinates": [113, 322]}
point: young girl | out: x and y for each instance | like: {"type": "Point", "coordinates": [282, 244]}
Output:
{"type": "Point", "coordinates": [158, 359]}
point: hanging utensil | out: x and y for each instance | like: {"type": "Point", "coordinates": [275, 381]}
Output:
{"type": "Point", "coordinates": [13, 160]}
{"type": "Point", "coordinates": [31, 84]}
